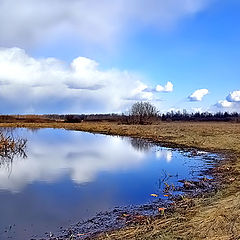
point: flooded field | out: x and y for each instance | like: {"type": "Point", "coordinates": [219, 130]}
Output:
{"type": "Point", "coordinates": [68, 176]}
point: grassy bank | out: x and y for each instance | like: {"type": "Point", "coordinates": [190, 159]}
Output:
{"type": "Point", "coordinates": [209, 217]}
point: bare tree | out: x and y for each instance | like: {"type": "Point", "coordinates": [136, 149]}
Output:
{"type": "Point", "coordinates": [143, 113]}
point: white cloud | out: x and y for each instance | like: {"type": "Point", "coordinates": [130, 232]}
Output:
{"type": "Point", "coordinates": [224, 104]}
{"type": "Point", "coordinates": [231, 103]}
{"type": "Point", "coordinates": [159, 88]}
{"type": "Point", "coordinates": [167, 88]}
{"type": "Point", "coordinates": [31, 85]}
{"type": "Point", "coordinates": [198, 95]}
{"type": "Point", "coordinates": [27, 22]}
{"type": "Point", "coordinates": [234, 96]}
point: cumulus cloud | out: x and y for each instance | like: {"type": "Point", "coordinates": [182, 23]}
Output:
{"type": "Point", "coordinates": [27, 22]}
{"type": "Point", "coordinates": [30, 85]}
{"type": "Point", "coordinates": [231, 103]}
{"type": "Point", "coordinates": [198, 95]}
{"type": "Point", "coordinates": [224, 104]}
{"type": "Point", "coordinates": [234, 96]}
{"type": "Point", "coordinates": [167, 88]}
{"type": "Point", "coordinates": [159, 88]}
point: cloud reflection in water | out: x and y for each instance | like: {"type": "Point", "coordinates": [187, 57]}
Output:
{"type": "Point", "coordinates": [76, 155]}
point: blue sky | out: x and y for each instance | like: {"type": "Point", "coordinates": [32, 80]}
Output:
{"type": "Point", "coordinates": [128, 52]}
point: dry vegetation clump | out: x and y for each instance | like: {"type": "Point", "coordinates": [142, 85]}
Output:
{"type": "Point", "coordinates": [10, 147]}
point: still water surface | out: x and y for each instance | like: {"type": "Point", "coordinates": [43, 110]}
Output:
{"type": "Point", "coordinates": [69, 175]}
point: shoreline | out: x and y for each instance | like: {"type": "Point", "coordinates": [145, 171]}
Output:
{"type": "Point", "coordinates": [121, 217]}
{"type": "Point", "coordinates": [203, 219]}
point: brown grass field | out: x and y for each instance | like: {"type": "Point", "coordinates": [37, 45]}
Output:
{"type": "Point", "coordinates": [212, 216]}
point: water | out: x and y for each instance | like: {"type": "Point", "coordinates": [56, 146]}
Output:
{"type": "Point", "coordinates": [70, 175]}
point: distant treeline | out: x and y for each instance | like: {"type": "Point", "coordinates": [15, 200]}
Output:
{"type": "Point", "coordinates": [75, 118]}
{"type": "Point", "coordinates": [205, 116]}
{"type": "Point", "coordinates": [124, 118]}
{"type": "Point", "coordinates": [167, 117]}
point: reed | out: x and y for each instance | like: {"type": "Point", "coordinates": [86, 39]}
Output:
{"type": "Point", "coordinates": [11, 146]}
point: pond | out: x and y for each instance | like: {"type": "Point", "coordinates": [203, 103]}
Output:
{"type": "Point", "coordinates": [67, 176]}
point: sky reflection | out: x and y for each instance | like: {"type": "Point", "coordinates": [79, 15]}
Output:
{"type": "Point", "coordinates": [51, 158]}
{"type": "Point", "coordinates": [71, 175]}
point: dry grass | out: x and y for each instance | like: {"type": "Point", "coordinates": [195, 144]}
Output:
{"type": "Point", "coordinates": [212, 217]}
{"type": "Point", "coordinates": [10, 147]}
{"type": "Point", "coordinates": [24, 119]}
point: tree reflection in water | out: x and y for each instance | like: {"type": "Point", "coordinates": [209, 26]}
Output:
{"type": "Point", "coordinates": [141, 144]}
